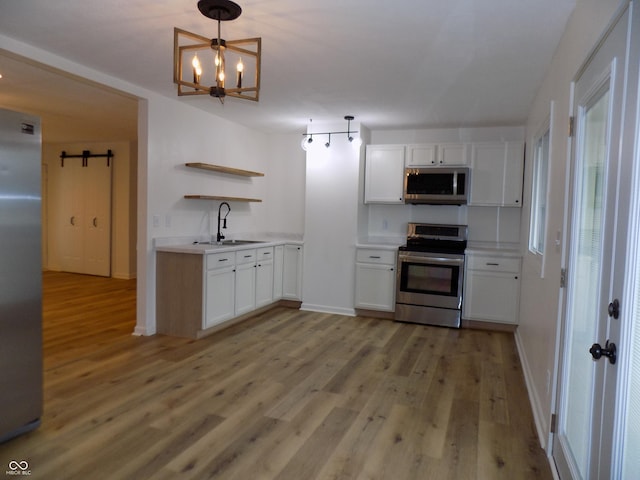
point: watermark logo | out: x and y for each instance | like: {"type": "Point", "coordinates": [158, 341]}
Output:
{"type": "Point", "coordinates": [18, 467]}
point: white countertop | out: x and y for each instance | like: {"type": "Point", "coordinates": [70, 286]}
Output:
{"type": "Point", "coordinates": [193, 247]}
{"type": "Point", "coordinates": [382, 243]}
{"type": "Point", "coordinates": [505, 249]}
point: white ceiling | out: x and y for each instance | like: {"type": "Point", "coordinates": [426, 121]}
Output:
{"type": "Point", "coordinates": [400, 64]}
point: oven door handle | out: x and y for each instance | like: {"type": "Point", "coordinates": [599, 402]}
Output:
{"type": "Point", "coordinates": [454, 262]}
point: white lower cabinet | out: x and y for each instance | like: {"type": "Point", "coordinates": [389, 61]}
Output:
{"type": "Point", "coordinates": [278, 271]}
{"type": "Point", "coordinates": [264, 276]}
{"type": "Point", "coordinates": [491, 288]}
{"type": "Point", "coordinates": [220, 289]}
{"type": "Point", "coordinates": [292, 272]}
{"type": "Point", "coordinates": [245, 281]}
{"type": "Point", "coordinates": [375, 279]}
{"type": "Point", "coordinates": [198, 292]}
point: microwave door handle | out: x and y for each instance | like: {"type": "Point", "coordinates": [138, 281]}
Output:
{"type": "Point", "coordinates": [455, 183]}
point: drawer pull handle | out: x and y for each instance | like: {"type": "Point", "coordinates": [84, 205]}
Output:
{"type": "Point", "coordinates": [493, 264]}
{"type": "Point", "coordinates": [223, 259]}
{"type": "Point", "coordinates": [247, 256]}
{"type": "Point", "coordinates": [374, 256]}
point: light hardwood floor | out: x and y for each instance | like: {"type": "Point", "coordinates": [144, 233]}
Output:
{"type": "Point", "coordinates": [287, 395]}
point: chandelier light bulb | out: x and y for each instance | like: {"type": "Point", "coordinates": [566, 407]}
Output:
{"type": "Point", "coordinates": [240, 69]}
{"type": "Point", "coordinates": [197, 69]}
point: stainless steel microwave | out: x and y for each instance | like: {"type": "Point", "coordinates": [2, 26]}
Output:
{"type": "Point", "coordinates": [436, 185]}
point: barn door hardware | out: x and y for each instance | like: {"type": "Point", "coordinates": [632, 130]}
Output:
{"type": "Point", "coordinates": [85, 156]}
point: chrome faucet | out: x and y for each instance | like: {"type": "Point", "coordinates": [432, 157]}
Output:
{"type": "Point", "coordinates": [219, 237]}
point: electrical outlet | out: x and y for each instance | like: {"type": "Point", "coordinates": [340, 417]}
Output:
{"type": "Point", "coordinates": [156, 221]}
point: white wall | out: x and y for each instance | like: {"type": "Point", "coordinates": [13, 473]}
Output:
{"type": "Point", "coordinates": [178, 133]}
{"type": "Point", "coordinates": [331, 223]}
{"type": "Point", "coordinates": [537, 335]}
{"type": "Point", "coordinates": [285, 170]}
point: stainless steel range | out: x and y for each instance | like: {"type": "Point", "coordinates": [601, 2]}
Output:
{"type": "Point", "coordinates": [430, 275]}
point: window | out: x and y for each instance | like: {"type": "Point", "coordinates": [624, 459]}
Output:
{"type": "Point", "coordinates": [537, 227]}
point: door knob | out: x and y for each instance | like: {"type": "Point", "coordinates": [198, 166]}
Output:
{"type": "Point", "coordinates": [609, 350]}
{"type": "Point", "coordinates": [614, 309]}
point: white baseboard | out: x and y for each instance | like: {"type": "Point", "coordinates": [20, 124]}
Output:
{"type": "Point", "coordinates": [124, 276]}
{"type": "Point", "coordinates": [534, 400]}
{"type": "Point", "coordinates": [350, 312]}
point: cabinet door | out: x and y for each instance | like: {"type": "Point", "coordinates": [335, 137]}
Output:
{"type": "Point", "coordinates": [423, 155]}
{"type": "Point", "coordinates": [513, 175]}
{"type": "Point", "coordinates": [496, 174]}
{"type": "Point", "coordinates": [452, 154]}
{"type": "Point", "coordinates": [278, 271]}
{"type": "Point", "coordinates": [220, 296]}
{"type": "Point", "coordinates": [375, 287]}
{"type": "Point", "coordinates": [384, 174]}
{"type": "Point", "coordinates": [264, 283]}
{"type": "Point", "coordinates": [292, 273]}
{"type": "Point", "coordinates": [487, 174]}
{"type": "Point", "coordinates": [245, 288]}
{"type": "Point", "coordinates": [491, 296]}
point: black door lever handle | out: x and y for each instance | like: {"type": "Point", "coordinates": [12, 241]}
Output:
{"type": "Point", "coordinates": [609, 351]}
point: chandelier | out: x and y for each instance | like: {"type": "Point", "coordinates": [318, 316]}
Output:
{"type": "Point", "coordinates": [199, 63]}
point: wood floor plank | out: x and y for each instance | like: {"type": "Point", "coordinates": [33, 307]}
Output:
{"type": "Point", "coordinates": [313, 454]}
{"type": "Point", "coordinates": [284, 395]}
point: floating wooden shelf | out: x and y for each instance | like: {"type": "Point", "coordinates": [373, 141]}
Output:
{"type": "Point", "coordinates": [224, 199]}
{"type": "Point", "coordinates": [220, 169]}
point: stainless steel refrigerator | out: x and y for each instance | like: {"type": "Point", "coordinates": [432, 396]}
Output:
{"type": "Point", "coordinates": [20, 274]}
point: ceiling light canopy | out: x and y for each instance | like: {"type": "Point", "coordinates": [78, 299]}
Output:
{"type": "Point", "coordinates": [307, 138]}
{"type": "Point", "coordinates": [200, 63]}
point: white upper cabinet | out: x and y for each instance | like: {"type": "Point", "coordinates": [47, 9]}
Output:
{"type": "Point", "coordinates": [496, 174]}
{"type": "Point", "coordinates": [437, 154]}
{"type": "Point", "coordinates": [453, 154]}
{"type": "Point", "coordinates": [384, 173]}
{"type": "Point", "coordinates": [422, 155]}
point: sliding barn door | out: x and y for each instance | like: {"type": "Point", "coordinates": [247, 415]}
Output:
{"type": "Point", "coordinates": [80, 216]}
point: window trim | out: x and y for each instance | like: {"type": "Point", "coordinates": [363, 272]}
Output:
{"type": "Point", "coordinates": [545, 128]}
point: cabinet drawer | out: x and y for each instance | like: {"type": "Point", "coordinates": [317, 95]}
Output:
{"type": "Point", "coordinates": [369, 255]}
{"type": "Point", "coordinates": [245, 256]}
{"type": "Point", "coordinates": [265, 253]}
{"type": "Point", "coordinates": [220, 260]}
{"type": "Point", "coordinates": [493, 264]}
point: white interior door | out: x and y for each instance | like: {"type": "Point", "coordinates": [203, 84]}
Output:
{"type": "Point", "coordinates": [70, 216]}
{"type": "Point", "coordinates": [80, 210]}
{"type": "Point", "coordinates": [583, 442]}
{"type": "Point", "coordinates": [97, 218]}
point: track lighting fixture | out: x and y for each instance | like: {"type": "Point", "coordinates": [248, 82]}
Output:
{"type": "Point", "coordinates": [307, 138]}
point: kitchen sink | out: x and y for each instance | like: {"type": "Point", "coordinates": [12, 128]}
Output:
{"type": "Point", "coordinates": [241, 242]}
{"type": "Point", "coordinates": [231, 242]}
